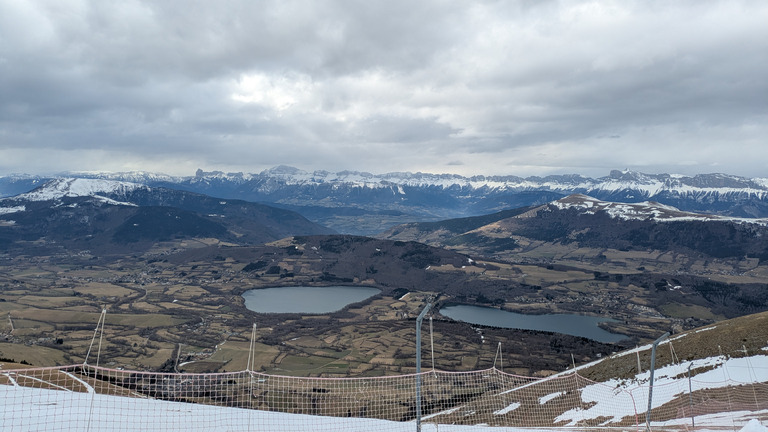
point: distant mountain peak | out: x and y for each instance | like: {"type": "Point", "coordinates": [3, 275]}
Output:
{"type": "Point", "coordinates": [284, 169]}
{"type": "Point", "coordinates": [626, 175]}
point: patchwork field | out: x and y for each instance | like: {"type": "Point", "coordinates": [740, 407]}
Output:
{"type": "Point", "coordinates": [181, 308]}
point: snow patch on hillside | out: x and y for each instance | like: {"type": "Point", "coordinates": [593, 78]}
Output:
{"type": "Point", "coordinates": [511, 407]}
{"type": "Point", "coordinates": [110, 201]}
{"type": "Point", "coordinates": [15, 209]}
{"type": "Point", "coordinates": [549, 397]}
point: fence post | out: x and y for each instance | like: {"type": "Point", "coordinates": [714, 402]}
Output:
{"type": "Point", "coordinates": [418, 365]}
{"type": "Point", "coordinates": [101, 320]}
{"type": "Point", "coordinates": [650, 389]}
{"type": "Point", "coordinates": [690, 396]}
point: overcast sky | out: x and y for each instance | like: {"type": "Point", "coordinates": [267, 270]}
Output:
{"type": "Point", "coordinates": [528, 87]}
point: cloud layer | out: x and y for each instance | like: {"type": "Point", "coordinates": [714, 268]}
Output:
{"type": "Point", "coordinates": [523, 87]}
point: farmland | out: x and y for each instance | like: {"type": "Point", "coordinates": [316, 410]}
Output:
{"type": "Point", "coordinates": [179, 307]}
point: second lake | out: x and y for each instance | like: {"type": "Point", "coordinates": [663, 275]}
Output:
{"type": "Point", "coordinates": [575, 325]}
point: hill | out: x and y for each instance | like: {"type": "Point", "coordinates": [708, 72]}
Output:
{"type": "Point", "coordinates": [110, 217]}
{"type": "Point", "coordinates": [588, 222]}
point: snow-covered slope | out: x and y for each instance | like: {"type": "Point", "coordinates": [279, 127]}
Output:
{"type": "Point", "coordinates": [642, 211]}
{"type": "Point", "coordinates": [109, 214]}
{"type": "Point", "coordinates": [57, 189]}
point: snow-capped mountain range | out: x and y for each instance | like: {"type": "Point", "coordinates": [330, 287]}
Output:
{"type": "Point", "coordinates": [645, 185]}
{"type": "Point", "coordinates": [586, 218]}
{"type": "Point", "coordinates": [364, 203]}
{"type": "Point", "coordinates": [101, 189]}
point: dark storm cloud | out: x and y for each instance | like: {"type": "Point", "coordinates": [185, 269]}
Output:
{"type": "Point", "coordinates": [484, 87]}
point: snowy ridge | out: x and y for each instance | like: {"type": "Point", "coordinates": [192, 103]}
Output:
{"type": "Point", "coordinates": [646, 185]}
{"type": "Point", "coordinates": [131, 176]}
{"type": "Point", "coordinates": [642, 211]}
{"type": "Point", "coordinates": [78, 187]}
{"type": "Point", "coordinates": [635, 185]}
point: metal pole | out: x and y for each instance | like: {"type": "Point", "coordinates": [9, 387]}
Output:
{"type": "Point", "coordinates": [176, 365]}
{"type": "Point", "coordinates": [96, 332]}
{"type": "Point", "coordinates": [101, 335]}
{"type": "Point", "coordinates": [501, 358]}
{"type": "Point", "coordinates": [690, 395]}
{"type": "Point", "coordinates": [251, 354]}
{"type": "Point", "coordinates": [650, 389]}
{"type": "Point", "coordinates": [418, 365]}
{"type": "Point", "coordinates": [432, 343]}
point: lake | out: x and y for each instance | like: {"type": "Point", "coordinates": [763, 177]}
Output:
{"type": "Point", "coordinates": [305, 299]}
{"type": "Point", "coordinates": [576, 325]}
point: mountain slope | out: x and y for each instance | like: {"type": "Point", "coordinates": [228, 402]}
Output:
{"type": "Point", "coordinates": [109, 216]}
{"type": "Point", "coordinates": [588, 222]}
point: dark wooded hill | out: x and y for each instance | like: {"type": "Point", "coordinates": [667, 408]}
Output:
{"type": "Point", "coordinates": [116, 218]}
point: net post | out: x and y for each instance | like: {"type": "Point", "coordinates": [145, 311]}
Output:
{"type": "Point", "coordinates": [101, 335]}
{"type": "Point", "coordinates": [418, 365]}
{"type": "Point", "coordinates": [749, 365]}
{"type": "Point", "coordinates": [690, 396]}
{"type": "Point", "coordinates": [178, 354]}
{"type": "Point", "coordinates": [501, 358]}
{"type": "Point", "coordinates": [251, 363]}
{"type": "Point", "coordinates": [102, 319]}
{"type": "Point", "coordinates": [650, 389]}
{"type": "Point", "coordinates": [432, 343]}
{"type": "Point", "coordinates": [498, 357]}
{"type": "Point", "coordinates": [96, 332]}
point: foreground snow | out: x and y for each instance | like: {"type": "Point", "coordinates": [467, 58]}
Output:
{"type": "Point", "coordinates": [32, 410]}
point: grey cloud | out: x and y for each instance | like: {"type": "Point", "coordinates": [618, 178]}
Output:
{"type": "Point", "coordinates": [335, 85]}
{"type": "Point", "coordinates": [401, 130]}
{"type": "Point", "coordinates": [131, 42]}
